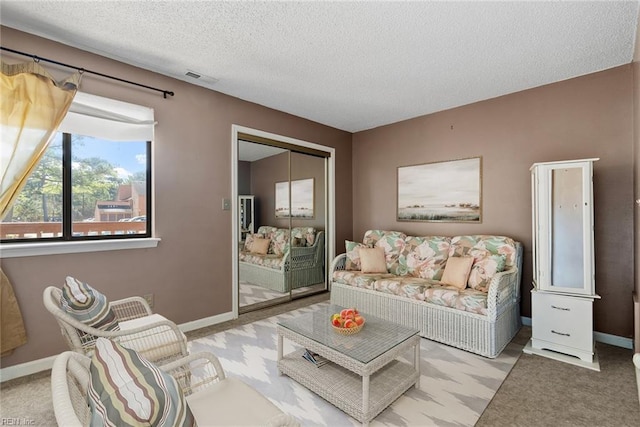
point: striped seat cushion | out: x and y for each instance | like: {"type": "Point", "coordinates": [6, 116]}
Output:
{"type": "Point", "coordinates": [125, 389]}
{"type": "Point", "coordinates": [87, 305]}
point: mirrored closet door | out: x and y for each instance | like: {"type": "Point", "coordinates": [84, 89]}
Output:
{"type": "Point", "coordinates": [282, 208]}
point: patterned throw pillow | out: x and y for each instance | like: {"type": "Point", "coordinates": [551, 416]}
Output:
{"type": "Point", "coordinates": [125, 389]}
{"type": "Point", "coordinates": [484, 269]}
{"type": "Point", "coordinates": [87, 305]}
{"type": "Point", "coordinates": [353, 255]}
{"type": "Point", "coordinates": [248, 241]}
{"type": "Point", "coordinates": [279, 242]}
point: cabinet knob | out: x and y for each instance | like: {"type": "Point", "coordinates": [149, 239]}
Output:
{"type": "Point", "coordinates": [560, 308]}
{"type": "Point", "coordinates": [560, 333]}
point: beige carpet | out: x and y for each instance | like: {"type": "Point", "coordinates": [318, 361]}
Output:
{"type": "Point", "coordinates": [537, 392]}
{"type": "Point", "coordinates": [545, 392]}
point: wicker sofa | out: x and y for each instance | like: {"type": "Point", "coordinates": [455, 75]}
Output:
{"type": "Point", "coordinates": [294, 258]}
{"type": "Point", "coordinates": [481, 318]}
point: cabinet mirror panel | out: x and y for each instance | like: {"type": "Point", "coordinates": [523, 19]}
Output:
{"type": "Point", "coordinates": [567, 212]}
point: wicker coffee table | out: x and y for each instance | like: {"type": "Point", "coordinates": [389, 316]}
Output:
{"type": "Point", "coordinates": [364, 375]}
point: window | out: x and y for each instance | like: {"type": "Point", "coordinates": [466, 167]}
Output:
{"type": "Point", "coordinates": [94, 180]}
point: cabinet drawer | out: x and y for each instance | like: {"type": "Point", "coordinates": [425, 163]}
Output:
{"type": "Point", "coordinates": [563, 320]}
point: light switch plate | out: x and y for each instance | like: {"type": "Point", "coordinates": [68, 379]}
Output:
{"type": "Point", "coordinates": [226, 204]}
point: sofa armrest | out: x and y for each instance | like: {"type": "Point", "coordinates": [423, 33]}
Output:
{"type": "Point", "coordinates": [301, 257]}
{"type": "Point", "coordinates": [503, 291]}
{"type": "Point", "coordinates": [338, 263]}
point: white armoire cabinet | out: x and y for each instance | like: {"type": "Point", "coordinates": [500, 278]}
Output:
{"type": "Point", "coordinates": [247, 216]}
{"type": "Point", "coordinates": [563, 262]}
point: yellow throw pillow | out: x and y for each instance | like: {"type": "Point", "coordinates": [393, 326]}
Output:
{"type": "Point", "coordinates": [456, 272]}
{"type": "Point", "coordinates": [372, 260]}
{"type": "Point", "coordinates": [260, 246]}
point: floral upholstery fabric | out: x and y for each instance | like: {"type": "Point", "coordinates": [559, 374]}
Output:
{"type": "Point", "coordinates": [280, 237]}
{"type": "Point", "coordinates": [266, 230]}
{"type": "Point", "coordinates": [279, 242]}
{"type": "Point", "coordinates": [358, 279]}
{"type": "Point", "coordinates": [393, 243]}
{"type": "Point", "coordinates": [470, 300]}
{"type": "Point", "coordinates": [353, 255]}
{"type": "Point", "coordinates": [248, 241]}
{"type": "Point", "coordinates": [478, 246]}
{"type": "Point", "coordinates": [423, 257]}
{"type": "Point", "coordinates": [303, 236]}
{"type": "Point", "coordinates": [484, 269]}
{"type": "Point", "coordinates": [408, 287]}
{"type": "Point", "coordinates": [269, 260]}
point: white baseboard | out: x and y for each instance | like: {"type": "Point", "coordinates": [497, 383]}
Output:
{"type": "Point", "coordinates": [599, 337]}
{"type": "Point", "coordinates": [27, 368]}
{"type": "Point", "coordinates": [207, 321]}
{"type": "Point", "coordinates": [39, 365]}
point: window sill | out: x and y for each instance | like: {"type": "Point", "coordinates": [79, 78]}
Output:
{"type": "Point", "coordinates": [55, 248]}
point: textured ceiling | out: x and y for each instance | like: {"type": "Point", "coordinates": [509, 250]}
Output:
{"type": "Point", "coordinates": [350, 65]}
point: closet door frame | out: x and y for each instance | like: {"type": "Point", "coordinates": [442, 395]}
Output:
{"type": "Point", "coordinates": [330, 197]}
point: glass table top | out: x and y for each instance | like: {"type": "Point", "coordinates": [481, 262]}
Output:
{"type": "Point", "coordinates": [376, 337]}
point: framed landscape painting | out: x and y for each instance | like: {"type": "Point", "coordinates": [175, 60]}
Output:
{"type": "Point", "coordinates": [301, 199]}
{"type": "Point", "coordinates": [447, 191]}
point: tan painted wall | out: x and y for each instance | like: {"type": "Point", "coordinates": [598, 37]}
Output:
{"type": "Point", "coordinates": [590, 116]}
{"type": "Point", "coordinates": [190, 271]}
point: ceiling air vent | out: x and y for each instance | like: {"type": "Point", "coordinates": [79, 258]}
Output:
{"type": "Point", "coordinates": [202, 79]}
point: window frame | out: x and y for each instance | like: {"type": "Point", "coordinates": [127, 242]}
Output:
{"type": "Point", "coordinates": [46, 245]}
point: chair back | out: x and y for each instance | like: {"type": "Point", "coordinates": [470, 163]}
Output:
{"type": "Point", "coordinates": [77, 335]}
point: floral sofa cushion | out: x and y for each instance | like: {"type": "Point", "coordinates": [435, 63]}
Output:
{"type": "Point", "coordinates": [300, 236]}
{"type": "Point", "coordinates": [427, 290]}
{"type": "Point", "coordinates": [470, 300]}
{"type": "Point", "coordinates": [303, 236]}
{"type": "Point", "coordinates": [393, 243]}
{"type": "Point", "coordinates": [358, 279]}
{"type": "Point", "coordinates": [268, 260]}
{"type": "Point", "coordinates": [423, 257]}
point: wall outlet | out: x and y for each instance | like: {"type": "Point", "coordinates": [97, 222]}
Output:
{"type": "Point", "coordinates": [149, 298]}
{"type": "Point", "coordinates": [226, 204]}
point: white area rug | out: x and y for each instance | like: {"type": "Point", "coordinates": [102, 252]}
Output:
{"type": "Point", "coordinates": [455, 386]}
{"type": "Point", "coordinates": [252, 294]}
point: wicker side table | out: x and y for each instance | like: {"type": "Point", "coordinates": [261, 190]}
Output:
{"type": "Point", "coordinates": [364, 376]}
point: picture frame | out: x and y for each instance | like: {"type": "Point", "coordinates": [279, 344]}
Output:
{"type": "Point", "coordinates": [443, 191]}
{"type": "Point", "coordinates": [302, 199]}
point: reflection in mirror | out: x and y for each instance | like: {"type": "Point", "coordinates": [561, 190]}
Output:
{"type": "Point", "coordinates": [567, 254]}
{"type": "Point", "coordinates": [282, 249]}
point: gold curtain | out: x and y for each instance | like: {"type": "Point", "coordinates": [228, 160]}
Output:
{"type": "Point", "coordinates": [33, 106]}
{"type": "Point", "coordinates": [12, 331]}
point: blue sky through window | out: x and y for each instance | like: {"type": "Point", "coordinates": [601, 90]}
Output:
{"type": "Point", "coordinates": [127, 157]}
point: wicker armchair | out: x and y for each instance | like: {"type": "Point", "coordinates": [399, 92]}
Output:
{"type": "Point", "coordinates": [152, 335]}
{"type": "Point", "coordinates": [213, 398]}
